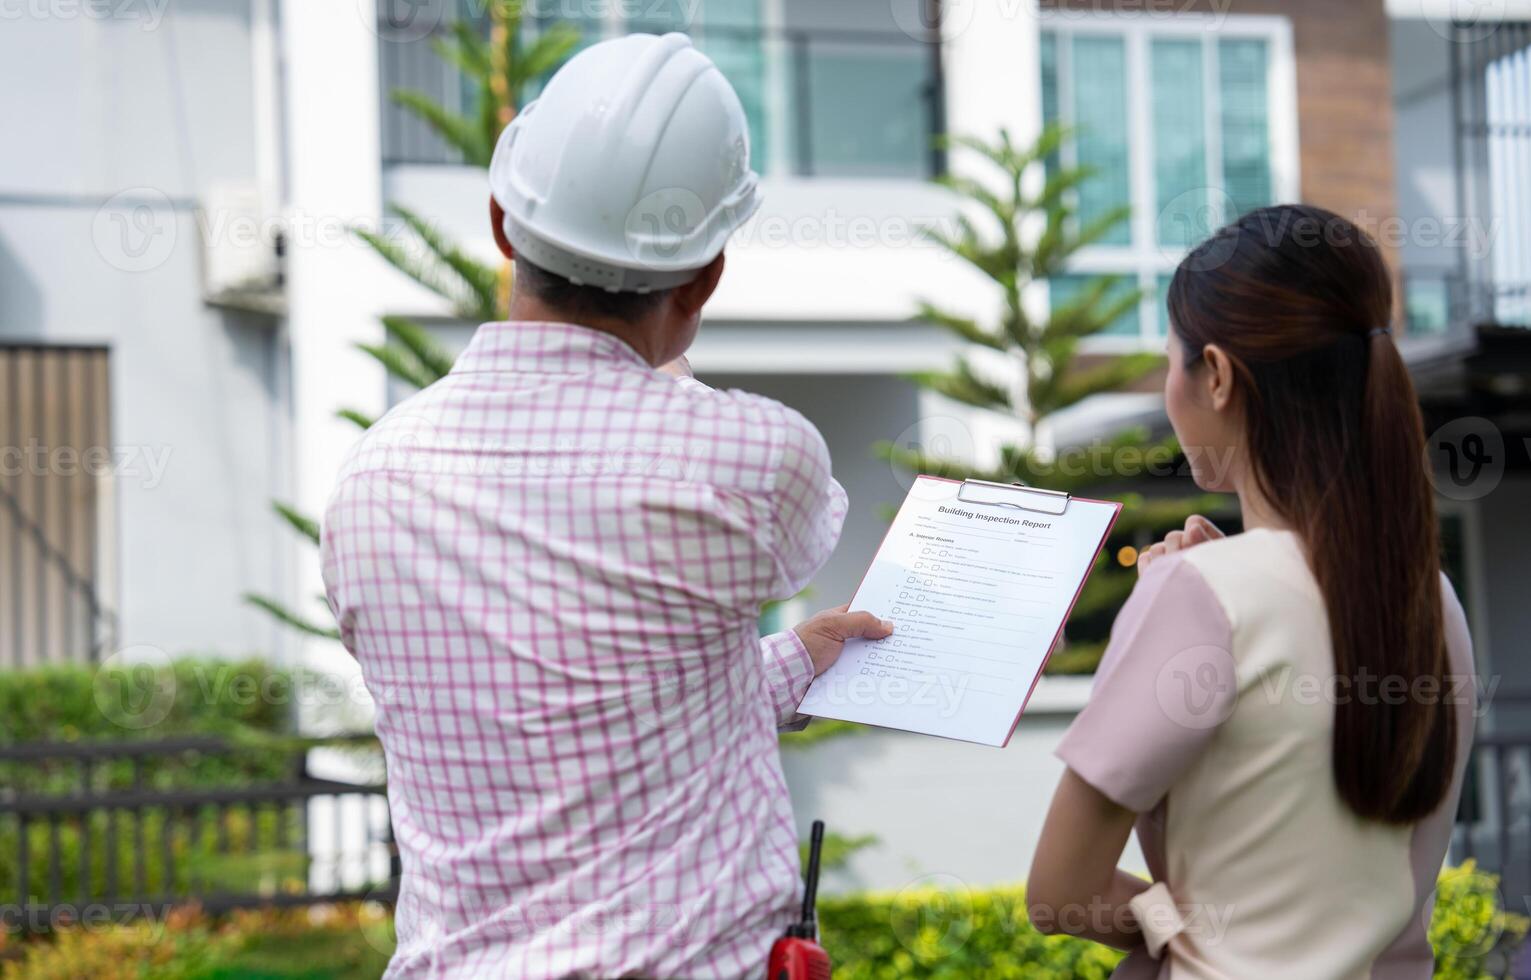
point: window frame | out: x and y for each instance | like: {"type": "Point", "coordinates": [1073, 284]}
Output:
{"type": "Point", "coordinates": [1143, 257]}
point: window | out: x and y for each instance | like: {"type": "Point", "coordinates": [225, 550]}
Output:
{"type": "Point", "coordinates": [824, 97]}
{"type": "Point", "coordinates": [841, 102]}
{"type": "Point", "coordinates": [1185, 122]}
{"type": "Point", "coordinates": [56, 514]}
{"type": "Point", "coordinates": [730, 31]}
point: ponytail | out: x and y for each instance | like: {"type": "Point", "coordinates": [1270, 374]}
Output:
{"type": "Point", "coordinates": [1336, 443]}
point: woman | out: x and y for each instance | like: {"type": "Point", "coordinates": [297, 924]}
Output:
{"type": "Point", "coordinates": [1285, 713]}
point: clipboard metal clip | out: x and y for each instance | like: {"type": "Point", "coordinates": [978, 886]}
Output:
{"type": "Point", "coordinates": [1017, 495]}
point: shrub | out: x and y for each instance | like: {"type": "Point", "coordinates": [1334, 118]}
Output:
{"type": "Point", "coordinates": [918, 932]}
{"type": "Point", "coordinates": [73, 702]}
{"type": "Point", "coordinates": [933, 932]}
{"type": "Point", "coordinates": [342, 942]}
{"type": "Point", "coordinates": [1471, 929]}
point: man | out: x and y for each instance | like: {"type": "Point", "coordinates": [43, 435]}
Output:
{"type": "Point", "coordinates": [551, 565]}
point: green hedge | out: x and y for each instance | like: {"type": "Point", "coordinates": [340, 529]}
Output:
{"type": "Point", "coordinates": [915, 933]}
{"type": "Point", "coordinates": [240, 700]}
{"type": "Point", "coordinates": [953, 935]}
{"type": "Point", "coordinates": [199, 695]}
{"type": "Point", "coordinates": [931, 932]}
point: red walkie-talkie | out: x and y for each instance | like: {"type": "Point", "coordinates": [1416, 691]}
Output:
{"type": "Point", "coordinates": [798, 955]}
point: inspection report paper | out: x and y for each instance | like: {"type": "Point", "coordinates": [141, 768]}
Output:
{"type": "Point", "coordinates": [978, 590]}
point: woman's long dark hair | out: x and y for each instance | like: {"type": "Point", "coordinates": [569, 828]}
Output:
{"type": "Point", "coordinates": [1297, 297]}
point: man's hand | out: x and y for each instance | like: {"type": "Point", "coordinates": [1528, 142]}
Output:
{"type": "Point", "coordinates": [825, 633]}
{"type": "Point", "coordinates": [1197, 530]}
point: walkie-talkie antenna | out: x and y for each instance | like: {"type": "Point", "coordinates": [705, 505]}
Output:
{"type": "Point", "coordinates": [808, 928]}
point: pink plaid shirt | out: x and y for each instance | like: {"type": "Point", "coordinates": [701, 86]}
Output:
{"type": "Point", "coordinates": [550, 566]}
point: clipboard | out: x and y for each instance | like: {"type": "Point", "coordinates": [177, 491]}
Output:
{"type": "Point", "coordinates": [987, 493]}
{"type": "Point", "coordinates": [969, 615]}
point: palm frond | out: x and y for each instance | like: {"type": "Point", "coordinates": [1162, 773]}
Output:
{"type": "Point", "coordinates": [304, 525]}
{"type": "Point", "coordinates": [963, 327]}
{"type": "Point", "coordinates": [432, 356]}
{"type": "Point", "coordinates": [285, 615]}
{"type": "Point", "coordinates": [963, 385]}
{"type": "Point", "coordinates": [481, 281]}
{"type": "Point", "coordinates": [456, 130]}
{"type": "Point", "coordinates": [400, 363]}
{"type": "Point", "coordinates": [361, 420]}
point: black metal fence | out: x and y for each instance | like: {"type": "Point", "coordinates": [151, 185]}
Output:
{"type": "Point", "coordinates": [1494, 824]}
{"type": "Point", "coordinates": [109, 832]}
{"type": "Point", "coordinates": [1490, 74]}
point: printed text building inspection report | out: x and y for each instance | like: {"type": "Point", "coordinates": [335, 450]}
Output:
{"type": "Point", "coordinates": [978, 579]}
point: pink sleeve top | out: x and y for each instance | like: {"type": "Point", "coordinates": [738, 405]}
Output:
{"type": "Point", "coordinates": [1212, 717]}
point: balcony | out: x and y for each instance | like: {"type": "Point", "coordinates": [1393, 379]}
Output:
{"type": "Point", "coordinates": [1490, 74]}
{"type": "Point", "coordinates": [823, 100]}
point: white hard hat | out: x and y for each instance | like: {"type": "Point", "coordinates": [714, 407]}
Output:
{"type": "Point", "coordinates": [632, 168]}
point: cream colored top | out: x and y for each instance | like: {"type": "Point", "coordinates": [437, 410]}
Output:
{"type": "Point", "coordinates": [1212, 716]}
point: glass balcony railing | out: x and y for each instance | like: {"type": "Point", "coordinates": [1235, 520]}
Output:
{"type": "Point", "coordinates": [820, 103]}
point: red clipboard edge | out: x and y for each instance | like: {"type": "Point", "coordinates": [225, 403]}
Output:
{"type": "Point", "coordinates": [1115, 513]}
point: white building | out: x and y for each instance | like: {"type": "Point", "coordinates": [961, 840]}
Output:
{"type": "Point", "coordinates": [160, 149]}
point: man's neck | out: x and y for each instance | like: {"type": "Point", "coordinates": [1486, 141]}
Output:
{"type": "Point", "coordinates": [638, 336]}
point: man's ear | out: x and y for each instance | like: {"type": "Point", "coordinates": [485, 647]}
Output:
{"type": "Point", "coordinates": [691, 297]}
{"type": "Point", "coordinates": [1220, 376]}
{"type": "Point", "coordinates": [497, 222]}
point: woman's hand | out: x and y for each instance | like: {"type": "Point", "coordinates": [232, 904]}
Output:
{"type": "Point", "coordinates": [1197, 530]}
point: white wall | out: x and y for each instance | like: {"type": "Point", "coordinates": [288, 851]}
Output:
{"type": "Point", "coordinates": [331, 114]}
{"type": "Point", "coordinates": [945, 813]}
{"type": "Point", "coordinates": [156, 109]}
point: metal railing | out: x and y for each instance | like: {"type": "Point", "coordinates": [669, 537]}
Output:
{"type": "Point", "coordinates": [115, 831]}
{"type": "Point", "coordinates": [1493, 825]}
{"type": "Point", "coordinates": [1490, 74]}
{"type": "Point", "coordinates": [850, 103]}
